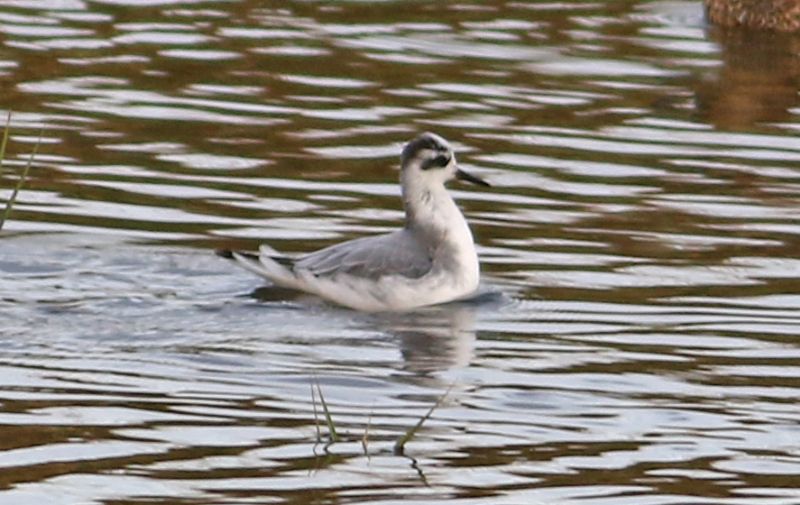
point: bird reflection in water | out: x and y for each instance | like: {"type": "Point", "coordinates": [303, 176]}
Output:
{"type": "Point", "coordinates": [438, 339]}
{"type": "Point", "coordinates": [431, 340]}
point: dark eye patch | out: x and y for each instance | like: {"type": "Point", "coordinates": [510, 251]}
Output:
{"type": "Point", "coordinates": [419, 144]}
{"type": "Point", "coordinates": [439, 161]}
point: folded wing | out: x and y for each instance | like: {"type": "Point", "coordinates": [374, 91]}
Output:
{"type": "Point", "coordinates": [397, 253]}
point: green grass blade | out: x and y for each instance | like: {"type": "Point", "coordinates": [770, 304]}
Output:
{"type": "Point", "coordinates": [328, 418]}
{"type": "Point", "coordinates": [400, 445]}
{"type": "Point", "coordinates": [23, 177]}
{"type": "Point", "coordinates": [316, 417]}
{"type": "Point", "coordinates": [365, 438]}
{"type": "Point", "coordinates": [5, 141]}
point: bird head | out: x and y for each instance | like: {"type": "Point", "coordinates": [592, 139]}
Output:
{"type": "Point", "coordinates": [429, 158]}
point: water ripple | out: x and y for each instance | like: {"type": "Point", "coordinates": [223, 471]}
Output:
{"type": "Point", "coordinates": [634, 339]}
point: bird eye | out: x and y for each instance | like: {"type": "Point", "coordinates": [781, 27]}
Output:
{"type": "Point", "coordinates": [440, 161]}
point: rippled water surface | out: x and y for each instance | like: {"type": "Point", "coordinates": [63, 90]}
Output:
{"type": "Point", "coordinates": [636, 339]}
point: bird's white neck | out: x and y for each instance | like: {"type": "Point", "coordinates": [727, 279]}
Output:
{"type": "Point", "coordinates": [430, 210]}
{"type": "Point", "coordinates": [432, 214]}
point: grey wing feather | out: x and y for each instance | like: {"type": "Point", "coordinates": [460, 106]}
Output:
{"type": "Point", "coordinates": [398, 253]}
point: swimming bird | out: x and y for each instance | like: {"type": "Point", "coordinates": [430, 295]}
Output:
{"type": "Point", "coordinates": [778, 15]}
{"type": "Point", "coordinates": [430, 260]}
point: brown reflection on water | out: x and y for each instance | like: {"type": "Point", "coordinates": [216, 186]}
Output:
{"type": "Point", "coordinates": [757, 83]}
{"type": "Point", "coordinates": [636, 336]}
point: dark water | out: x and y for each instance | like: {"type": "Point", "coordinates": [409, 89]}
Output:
{"type": "Point", "coordinates": [637, 339]}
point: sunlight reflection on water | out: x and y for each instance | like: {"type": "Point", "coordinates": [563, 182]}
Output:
{"type": "Point", "coordinates": [636, 334]}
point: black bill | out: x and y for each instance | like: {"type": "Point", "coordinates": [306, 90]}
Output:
{"type": "Point", "coordinates": [466, 176]}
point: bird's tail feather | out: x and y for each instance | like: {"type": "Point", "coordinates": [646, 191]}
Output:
{"type": "Point", "coordinates": [267, 267]}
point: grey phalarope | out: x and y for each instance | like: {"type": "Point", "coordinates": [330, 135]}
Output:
{"type": "Point", "coordinates": [430, 260]}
